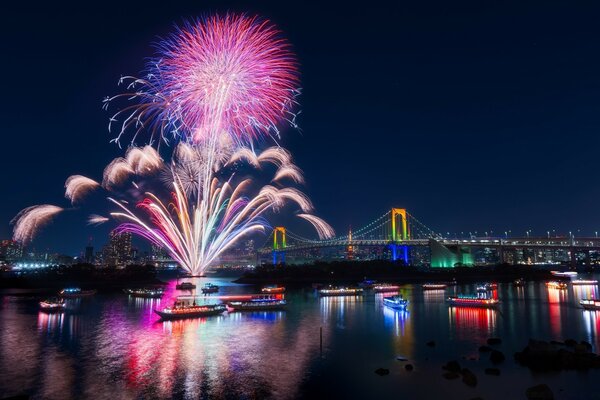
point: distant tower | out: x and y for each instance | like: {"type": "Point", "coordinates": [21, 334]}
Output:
{"type": "Point", "coordinates": [89, 253]}
{"type": "Point", "coordinates": [350, 248]}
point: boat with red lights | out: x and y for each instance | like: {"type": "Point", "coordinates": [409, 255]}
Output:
{"type": "Point", "coordinates": [473, 300]}
{"type": "Point", "coordinates": [53, 305]}
{"type": "Point", "coordinates": [340, 291]}
{"type": "Point", "coordinates": [185, 286]}
{"type": "Point", "coordinates": [556, 285]}
{"type": "Point", "coordinates": [70, 293]}
{"type": "Point", "coordinates": [434, 286]}
{"type": "Point", "coordinates": [273, 289]}
{"type": "Point", "coordinates": [590, 304]}
{"type": "Point", "coordinates": [182, 310]}
{"type": "Point", "coordinates": [385, 287]}
{"type": "Point", "coordinates": [259, 303]}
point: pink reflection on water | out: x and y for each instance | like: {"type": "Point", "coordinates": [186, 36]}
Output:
{"type": "Point", "coordinates": [472, 323]}
{"type": "Point", "coordinates": [556, 298]}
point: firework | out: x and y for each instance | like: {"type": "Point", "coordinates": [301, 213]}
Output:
{"type": "Point", "coordinates": [225, 73]}
{"type": "Point", "coordinates": [197, 226]}
{"type": "Point", "coordinates": [77, 186]}
{"type": "Point", "coordinates": [96, 219]}
{"type": "Point", "coordinates": [30, 220]}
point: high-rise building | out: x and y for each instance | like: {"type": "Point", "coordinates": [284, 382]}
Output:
{"type": "Point", "coordinates": [118, 250]}
{"type": "Point", "coordinates": [89, 254]}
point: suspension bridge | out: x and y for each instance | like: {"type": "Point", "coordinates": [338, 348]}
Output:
{"type": "Point", "coordinates": [400, 236]}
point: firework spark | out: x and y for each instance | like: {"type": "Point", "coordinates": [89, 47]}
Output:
{"type": "Point", "coordinates": [78, 186]}
{"type": "Point", "coordinates": [30, 220]}
{"type": "Point", "coordinates": [226, 73]}
{"type": "Point", "coordinates": [96, 219]}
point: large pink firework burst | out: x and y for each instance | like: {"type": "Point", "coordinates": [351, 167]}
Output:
{"type": "Point", "coordinates": [225, 73]}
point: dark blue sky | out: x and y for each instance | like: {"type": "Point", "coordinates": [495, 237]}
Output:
{"type": "Point", "coordinates": [473, 117]}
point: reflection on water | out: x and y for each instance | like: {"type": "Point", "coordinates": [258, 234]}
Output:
{"type": "Point", "coordinates": [472, 323]}
{"type": "Point", "coordinates": [115, 346]}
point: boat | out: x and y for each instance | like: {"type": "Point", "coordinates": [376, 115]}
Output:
{"type": "Point", "coordinates": [519, 282]}
{"type": "Point", "coordinates": [556, 285]}
{"type": "Point", "coordinates": [182, 310]}
{"type": "Point", "coordinates": [487, 287]}
{"type": "Point", "coordinates": [185, 286]}
{"type": "Point", "coordinates": [584, 282]}
{"type": "Point", "coordinates": [434, 286]}
{"type": "Point", "coordinates": [385, 287]}
{"type": "Point", "coordinates": [396, 302]}
{"type": "Point", "coordinates": [76, 292]}
{"type": "Point", "coordinates": [367, 284]}
{"type": "Point", "coordinates": [210, 288]}
{"type": "Point", "coordinates": [273, 289]}
{"type": "Point", "coordinates": [590, 304]}
{"type": "Point", "coordinates": [473, 300]}
{"type": "Point", "coordinates": [566, 273]}
{"type": "Point", "coordinates": [145, 292]}
{"type": "Point", "coordinates": [263, 303]}
{"type": "Point", "coordinates": [340, 291]}
{"type": "Point", "coordinates": [53, 305]}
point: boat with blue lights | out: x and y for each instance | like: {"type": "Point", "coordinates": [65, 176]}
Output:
{"type": "Point", "coordinates": [481, 299]}
{"type": "Point", "coordinates": [153, 293]}
{"type": "Point", "coordinates": [181, 310]}
{"type": "Point", "coordinates": [209, 288]}
{"type": "Point", "coordinates": [583, 282]}
{"type": "Point", "coordinates": [260, 303]}
{"type": "Point", "coordinates": [396, 302]}
{"type": "Point", "coordinates": [53, 305]}
{"type": "Point", "coordinates": [76, 292]}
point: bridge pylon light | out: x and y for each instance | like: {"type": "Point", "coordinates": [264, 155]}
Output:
{"type": "Point", "coordinates": [279, 245]}
{"type": "Point", "coordinates": [403, 234]}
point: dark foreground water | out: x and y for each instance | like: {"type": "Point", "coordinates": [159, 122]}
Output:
{"type": "Point", "coordinates": [115, 347]}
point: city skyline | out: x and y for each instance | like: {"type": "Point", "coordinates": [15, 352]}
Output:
{"type": "Point", "coordinates": [510, 147]}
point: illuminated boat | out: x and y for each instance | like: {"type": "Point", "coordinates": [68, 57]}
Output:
{"type": "Point", "coordinates": [434, 286]}
{"type": "Point", "coordinates": [367, 284]}
{"type": "Point", "coordinates": [566, 273]}
{"type": "Point", "coordinates": [76, 292]}
{"type": "Point", "coordinates": [340, 291]}
{"type": "Point", "coordinates": [556, 285]}
{"type": "Point", "coordinates": [584, 282]}
{"type": "Point", "coordinates": [590, 304]}
{"type": "Point", "coordinates": [385, 287]}
{"type": "Point", "coordinates": [209, 288]}
{"type": "Point", "coordinates": [182, 310]}
{"type": "Point", "coordinates": [472, 300]}
{"type": "Point", "coordinates": [185, 286]}
{"type": "Point", "coordinates": [396, 302]}
{"type": "Point", "coordinates": [53, 305]}
{"type": "Point", "coordinates": [259, 304]}
{"type": "Point", "coordinates": [273, 289]}
{"type": "Point", "coordinates": [145, 292]}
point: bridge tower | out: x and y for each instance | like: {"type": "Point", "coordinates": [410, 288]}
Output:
{"type": "Point", "coordinates": [399, 235]}
{"type": "Point", "coordinates": [279, 245]}
{"type": "Point", "coordinates": [350, 249]}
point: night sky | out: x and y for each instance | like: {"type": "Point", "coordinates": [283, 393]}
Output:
{"type": "Point", "coordinates": [473, 117]}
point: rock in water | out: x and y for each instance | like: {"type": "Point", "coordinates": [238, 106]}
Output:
{"type": "Point", "coordinates": [497, 357]}
{"type": "Point", "coordinates": [539, 392]}
{"type": "Point", "coordinates": [469, 378]}
{"type": "Point", "coordinates": [452, 366]}
{"type": "Point", "coordinates": [408, 367]}
{"type": "Point", "coordinates": [451, 375]}
{"type": "Point", "coordinates": [492, 371]}
{"type": "Point", "coordinates": [431, 343]}
{"type": "Point", "coordinates": [493, 341]}
{"type": "Point", "coordinates": [382, 371]}
{"type": "Point", "coordinates": [484, 349]}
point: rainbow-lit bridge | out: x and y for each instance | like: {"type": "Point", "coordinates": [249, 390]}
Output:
{"type": "Point", "coordinates": [399, 236]}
